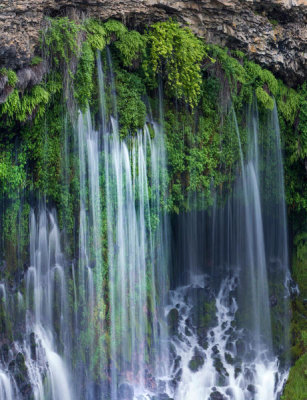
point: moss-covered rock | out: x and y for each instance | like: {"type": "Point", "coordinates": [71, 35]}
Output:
{"type": "Point", "coordinates": [296, 387]}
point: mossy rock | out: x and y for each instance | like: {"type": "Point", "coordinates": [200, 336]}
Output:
{"type": "Point", "coordinates": [296, 387]}
{"type": "Point", "coordinates": [197, 361]}
{"type": "Point", "coordinates": [173, 321]}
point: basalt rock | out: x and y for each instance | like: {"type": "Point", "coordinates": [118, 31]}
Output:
{"type": "Point", "coordinates": [271, 32]}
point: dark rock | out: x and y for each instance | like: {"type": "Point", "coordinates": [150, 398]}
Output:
{"type": "Point", "coordinates": [203, 342]}
{"type": "Point", "coordinates": [161, 396]}
{"type": "Point", "coordinates": [237, 24]}
{"type": "Point", "coordinates": [174, 382]}
{"type": "Point", "coordinates": [33, 346]}
{"type": "Point", "coordinates": [252, 388]}
{"type": "Point", "coordinates": [219, 366]}
{"type": "Point", "coordinates": [173, 321]}
{"type": "Point", "coordinates": [248, 375]}
{"type": "Point", "coordinates": [125, 391]}
{"type": "Point", "coordinates": [217, 396]}
{"type": "Point", "coordinates": [197, 361]}
{"type": "Point", "coordinates": [229, 358]}
{"type": "Point", "coordinates": [238, 371]}
{"type": "Point", "coordinates": [5, 353]}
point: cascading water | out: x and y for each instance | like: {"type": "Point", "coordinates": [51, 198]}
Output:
{"type": "Point", "coordinates": [137, 256]}
{"type": "Point", "coordinates": [47, 303]}
{"type": "Point", "coordinates": [222, 348]}
{"type": "Point", "coordinates": [105, 325]}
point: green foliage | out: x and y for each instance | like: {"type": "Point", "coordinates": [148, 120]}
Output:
{"type": "Point", "coordinates": [115, 30]}
{"type": "Point", "coordinates": [264, 98]}
{"type": "Point", "coordinates": [176, 53]}
{"type": "Point", "coordinates": [130, 46]}
{"type": "Point", "coordinates": [36, 60]}
{"type": "Point", "coordinates": [296, 387]}
{"type": "Point", "coordinates": [96, 34]}
{"type": "Point", "coordinates": [288, 102]}
{"type": "Point", "coordinates": [300, 262]}
{"type": "Point", "coordinates": [61, 39]}
{"type": "Point", "coordinates": [84, 76]}
{"type": "Point", "coordinates": [20, 108]}
{"type": "Point", "coordinates": [11, 76]}
{"type": "Point", "coordinates": [131, 109]}
{"type": "Point", "coordinates": [12, 174]}
{"type": "Point", "coordinates": [292, 106]}
{"type": "Point", "coordinates": [233, 69]}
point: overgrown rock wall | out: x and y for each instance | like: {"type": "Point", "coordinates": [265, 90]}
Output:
{"type": "Point", "coordinates": [272, 32]}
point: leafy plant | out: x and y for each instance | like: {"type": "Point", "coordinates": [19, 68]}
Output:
{"type": "Point", "coordinates": [177, 54]}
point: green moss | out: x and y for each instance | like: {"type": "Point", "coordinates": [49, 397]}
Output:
{"type": "Point", "coordinates": [131, 108]}
{"type": "Point", "coordinates": [11, 76]}
{"type": "Point", "coordinates": [12, 174]}
{"type": "Point", "coordinates": [60, 39]}
{"type": "Point", "coordinates": [264, 98]}
{"type": "Point", "coordinates": [177, 54]}
{"type": "Point", "coordinates": [21, 108]}
{"type": "Point", "coordinates": [36, 60]}
{"type": "Point", "coordinates": [115, 30]}
{"type": "Point", "coordinates": [96, 34]}
{"type": "Point", "coordinates": [84, 76]}
{"type": "Point", "coordinates": [131, 47]}
{"type": "Point", "coordinates": [296, 387]}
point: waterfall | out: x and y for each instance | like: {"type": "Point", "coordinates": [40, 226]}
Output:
{"type": "Point", "coordinates": [47, 308]}
{"type": "Point", "coordinates": [139, 304]}
{"type": "Point", "coordinates": [231, 266]}
{"type": "Point", "coordinates": [6, 390]}
{"type": "Point", "coordinates": [137, 254]}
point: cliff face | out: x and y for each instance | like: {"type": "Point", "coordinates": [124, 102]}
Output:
{"type": "Point", "coordinates": [272, 32]}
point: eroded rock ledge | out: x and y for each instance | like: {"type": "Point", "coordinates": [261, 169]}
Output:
{"type": "Point", "coordinates": [272, 32]}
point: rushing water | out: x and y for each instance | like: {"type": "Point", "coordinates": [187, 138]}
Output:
{"type": "Point", "coordinates": [240, 244]}
{"type": "Point", "coordinates": [145, 310]}
{"type": "Point", "coordinates": [218, 367]}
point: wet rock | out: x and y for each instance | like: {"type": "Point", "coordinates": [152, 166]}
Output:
{"type": "Point", "coordinates": [203, 342]}
{"type": "Point", "coordinates": [220, 367]}
{"type": "Point", "coordinates": [20, 372]}
{"type": "Point", "coordinates": [33, 346]}
{"type": "Point", "coordinates": [217, 396]}
{"type": "Point", "coordinates": [229, 359]}
{"type": "Point", "coordinates": [173, 321]}
{"type": "Point", "coordinates": [161, 396]}
{"type": "Point", "coordinates": [248, 375]}
{"type": "Point", "coordinates": [240, 25]}
{"type": "Point", "coordinates": [187, 331]}
{"type": "Point", "coordinates": [174, 382]}
{"type": "Point", "coordinates": [238, 371]}
{"type": "Point", "coordinates": [197, 361]}
{"type": "Point", "coordinates": [5, 353]}
{"type": "Point", "coordinates": [252, 388]}
{"type": "Point", "coordinates": [125, 391]}
{"type": "Point", "coordinates": [177, 363]}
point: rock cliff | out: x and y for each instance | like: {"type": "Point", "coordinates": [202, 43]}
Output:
{"type": "Point", "coordinates": [272, 32]}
